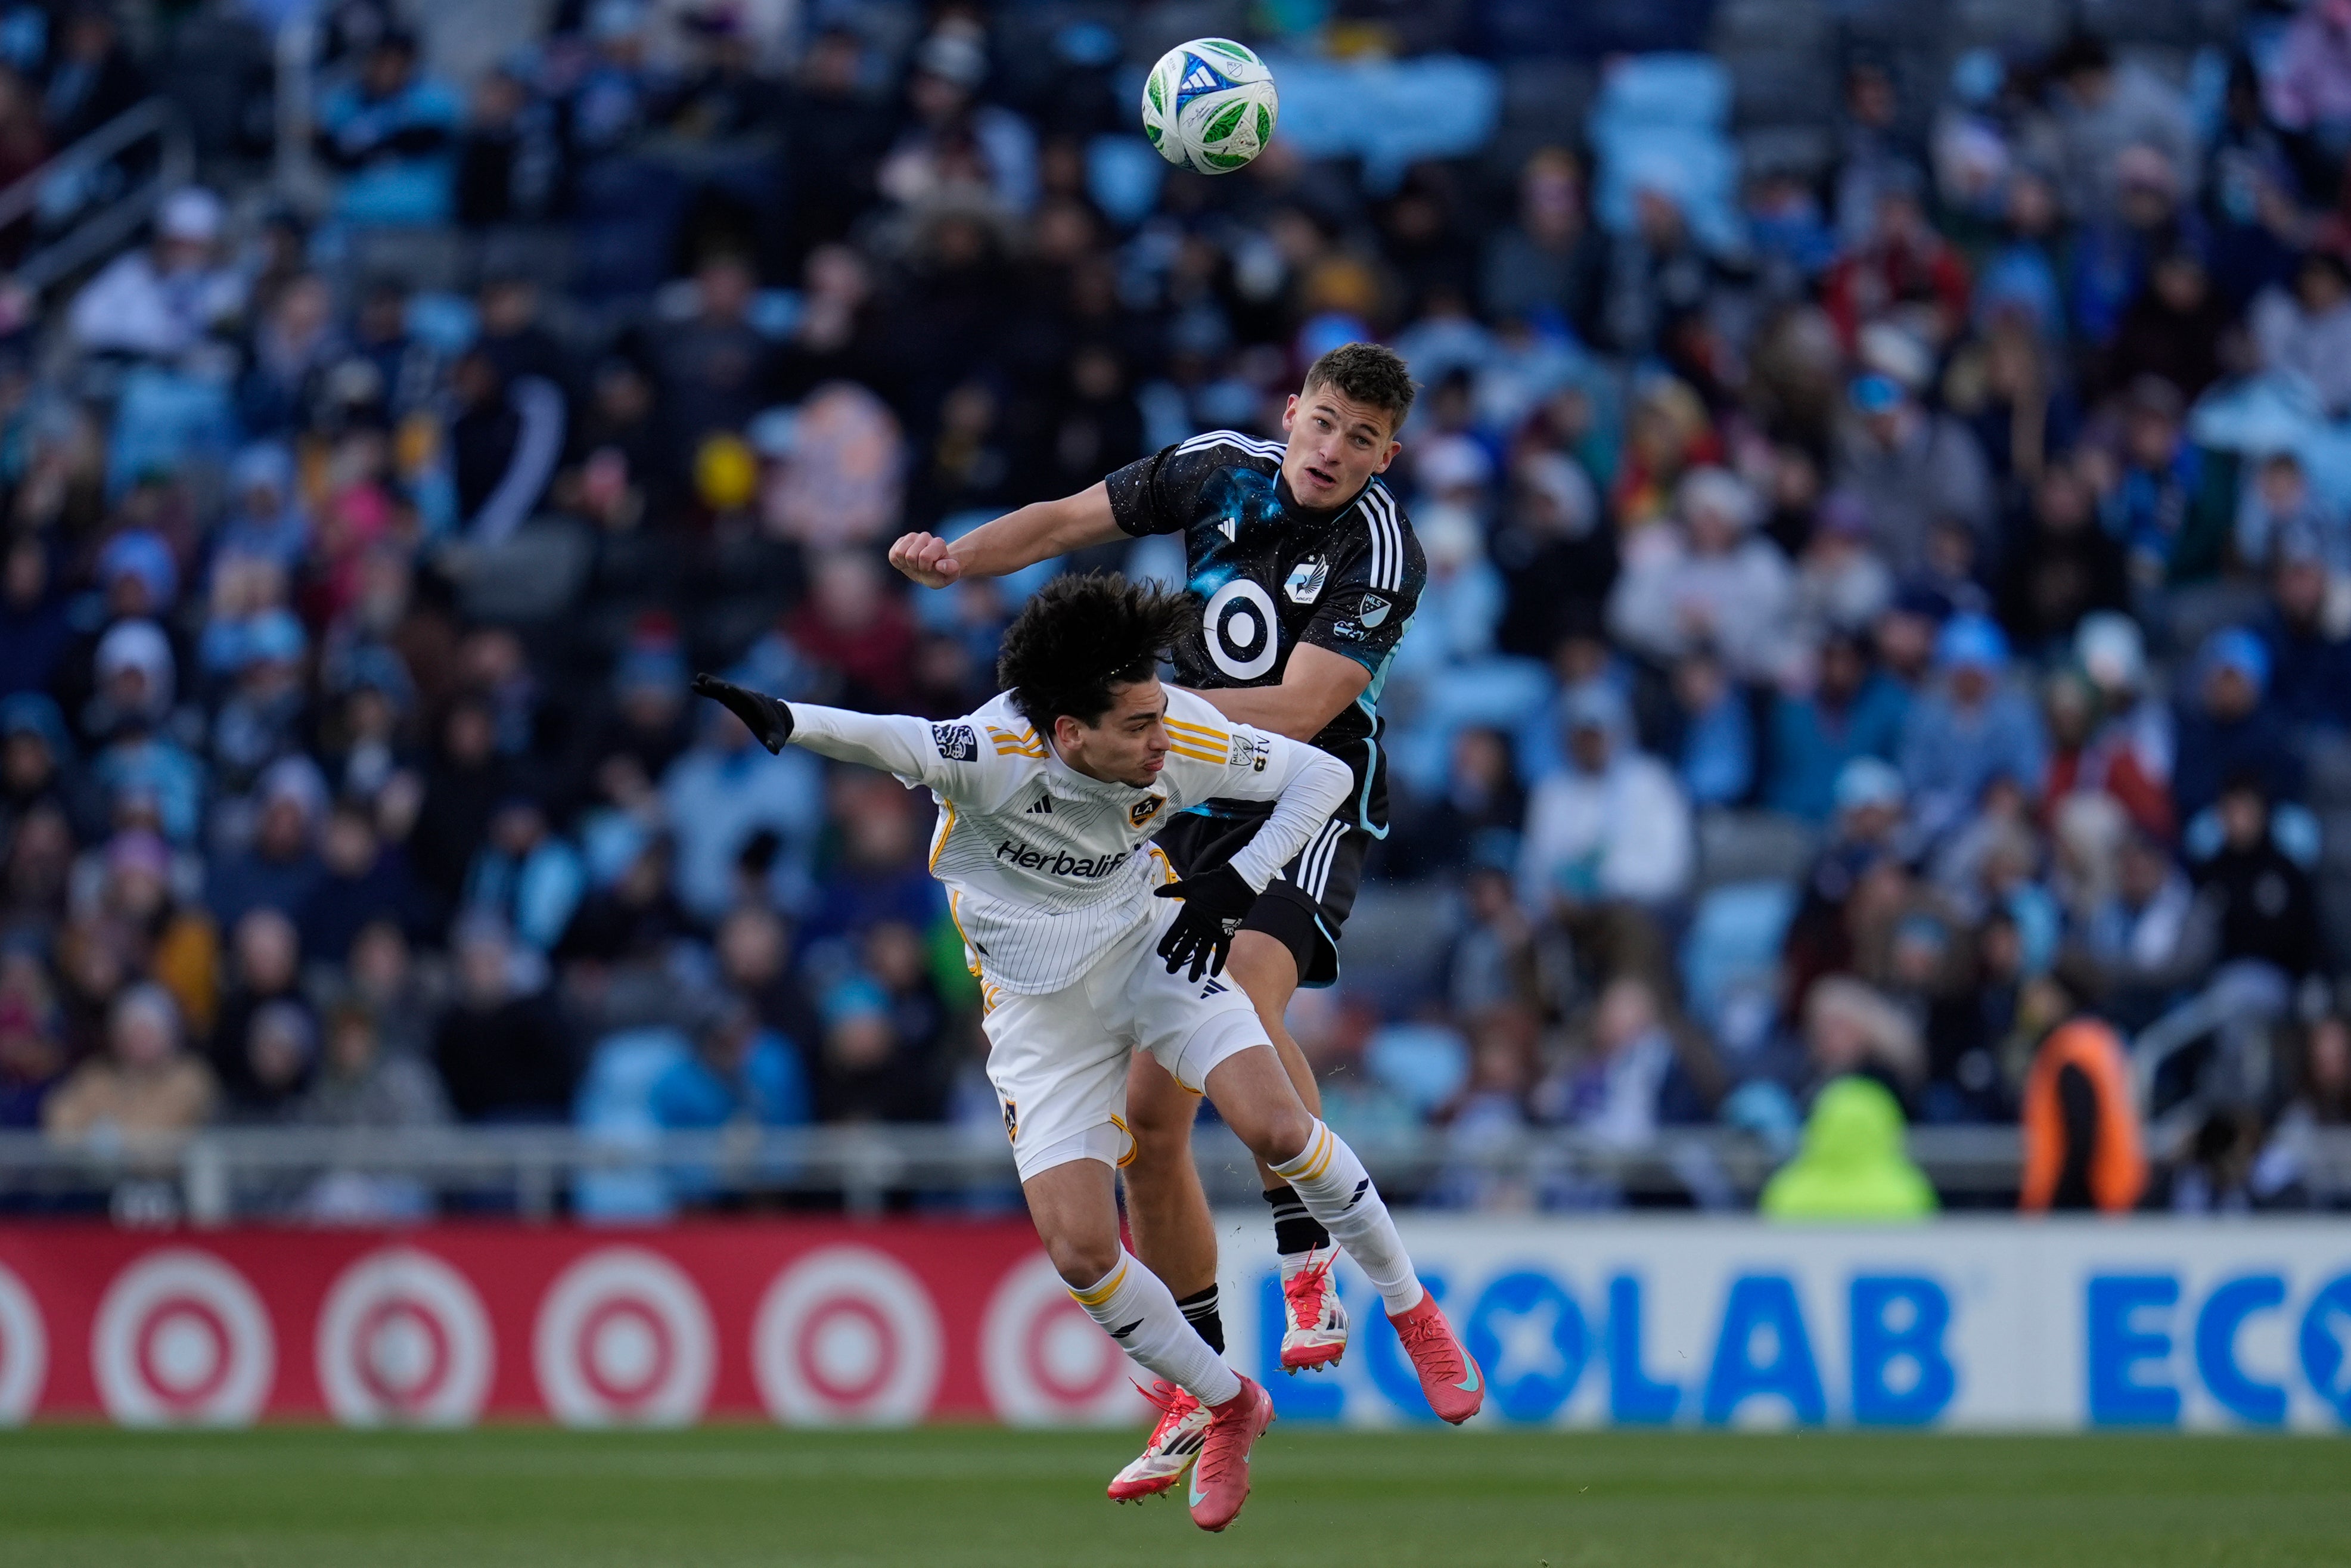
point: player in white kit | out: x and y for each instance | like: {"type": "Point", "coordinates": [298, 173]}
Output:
{"type": "Point", "coordinates": [1088, 950]}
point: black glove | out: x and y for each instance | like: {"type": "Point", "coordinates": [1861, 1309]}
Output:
{"type": "Point", "coordinates": [769, 719]}
{"type": "Point", "coordinates": [1215, 903]}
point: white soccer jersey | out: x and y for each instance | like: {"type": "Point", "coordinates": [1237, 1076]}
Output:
{"type": "Point", "coordinates": [1046, 868]}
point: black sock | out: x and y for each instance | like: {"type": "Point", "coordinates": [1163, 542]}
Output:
{"type": "Point", "coordinates": [1294, 1230]}
{"type": "Point", "coordinates": [1199, 1309]}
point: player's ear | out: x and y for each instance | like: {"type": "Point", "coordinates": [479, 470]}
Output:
{"type": "Point", "coordinates": [1290, 413]}
{"type": "Point", "coordinates": [1390, 456]}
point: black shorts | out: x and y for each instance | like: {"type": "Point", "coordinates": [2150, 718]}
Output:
{"type": "Point", "coordinates": [1302, 908]}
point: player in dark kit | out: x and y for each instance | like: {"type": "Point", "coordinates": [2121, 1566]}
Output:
{"type": "Point", "coordinates": [1308, 574]}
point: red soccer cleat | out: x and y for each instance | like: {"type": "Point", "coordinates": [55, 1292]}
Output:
{"type": "Point", "coordinates": [1220, 1481]}
{"type": "Point", "coordinates": [1175, 1444]}
{"type": "Point", "coordinates": [1449, 1373]}
{"type": "Point", "coordinates": [1313, 1319]}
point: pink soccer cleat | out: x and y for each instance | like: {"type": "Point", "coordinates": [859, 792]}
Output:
{"type": "Point", "coordinates": [1220, 1481]}
{"type": "Point", "coordinates": [1175, 1444]}
{"type": "Point", "coordinates": [1313, 1319]}
{"type": "Point", "coordinates": [1449, 1373]}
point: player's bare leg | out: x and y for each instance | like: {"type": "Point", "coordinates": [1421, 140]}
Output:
{"type": "Point", "coordinates": [1167, 1210]}
{"type": "Point", "coordinates": [1075, 1209]}
{"type": "Point", "coordinates": [1265, 968]}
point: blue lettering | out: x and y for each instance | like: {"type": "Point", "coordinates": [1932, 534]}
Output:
{"type": "Point", "coordinates": [1559, 1348]}
{"type": "Point", "coordinates": [2225, 1312]}
{"type": "Point", "coordinates": [1320, 1398]}
{"type": "Point", "coordinates": [1391, 1369]}
{"type": "Point", "coordinates": [1635, 1399]}
{"type": "Point", "coordinates": [1880, 1344]}
{"type": "Point", "coordinates": [2326, 1344]}
{"type": "Point", "coordinates": [1763, 1302]}
{"type": "Point", "coordinates": [2117, 1399]}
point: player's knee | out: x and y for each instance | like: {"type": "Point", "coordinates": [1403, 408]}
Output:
{"type": "Point", "coordinates": [1082, 1260]}
{"type": "Point", "coordinates": [1263, 967]}
{"type": "Point", "coordinates": [1162, 1130]}
{"type": "Point", "coordinates": [1280, 1133]}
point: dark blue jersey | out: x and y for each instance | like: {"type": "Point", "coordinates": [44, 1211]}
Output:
{"type": "Point", "coordinates": [1271, 574]}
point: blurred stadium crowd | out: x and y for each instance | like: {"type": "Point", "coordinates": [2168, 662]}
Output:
{"type": "Point", "coordinates": [1889, 543]}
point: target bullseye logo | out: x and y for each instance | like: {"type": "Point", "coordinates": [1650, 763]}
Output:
{"type": "Point", "coordinates": [1046, 1362]}
{"type": "Point", "coordinates": [181, 1338]}
{"type": "Point", "coordinates": [624, 1339]}
{"type": "Point", "coordinates": [24, 1350]}
{"type": "Point", "coordinates": [1239, 628]}
{"type": "Point", "coordinates": [404, 1341]}
{"type": "Point", "coordinates": [847, 1336]}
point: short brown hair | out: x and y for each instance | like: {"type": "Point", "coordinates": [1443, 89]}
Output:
{"type": "Point", "coordinates": [1367, 373]}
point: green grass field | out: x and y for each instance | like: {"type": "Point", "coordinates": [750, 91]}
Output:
{"type": "Point", "coordinates": [957, 1498]}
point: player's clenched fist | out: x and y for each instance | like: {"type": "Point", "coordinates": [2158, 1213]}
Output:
{"type": "Point", "coordinates": [925, 558]}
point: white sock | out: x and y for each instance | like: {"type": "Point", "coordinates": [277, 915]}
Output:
{"type": "Point", "coordinates": [1336, 1189]}
{"type": "Point", "coordinates": [1136, 1308]}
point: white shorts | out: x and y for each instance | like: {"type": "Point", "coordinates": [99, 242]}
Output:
{"type": "Point", "coordinates": [1058, 1060]}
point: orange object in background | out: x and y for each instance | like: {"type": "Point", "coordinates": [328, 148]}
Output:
{"type": "Point", "coordinates": [2080, 1154]}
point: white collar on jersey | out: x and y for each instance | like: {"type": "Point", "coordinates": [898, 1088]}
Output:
{"type": "Point", "coordinates": [1071, 785]}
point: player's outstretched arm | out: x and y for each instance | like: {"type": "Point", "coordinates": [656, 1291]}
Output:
{"type": "Point", "coordinates": [947, 758]}
{"type": "Point", "coordinates": [1039, 532]}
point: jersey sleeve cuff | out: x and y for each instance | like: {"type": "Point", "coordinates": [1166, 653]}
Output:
{"type": "Point", "coordinates": [1369, 657]}
{"type": "Point", "coordinates": [1130, 493]}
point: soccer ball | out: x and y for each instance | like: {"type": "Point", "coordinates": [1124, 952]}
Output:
{"type": "Point", "coordinates": [1209, 104]}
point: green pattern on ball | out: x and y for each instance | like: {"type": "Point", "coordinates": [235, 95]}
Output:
{"type": "Point", "coordinates": [1226, 121]}
{"type": "Point", "coordinates": [1158, 102]}
{"type": "Point", "coordinates": [1223, 160]}
{"type": "Point", "coordinates": [1264, 125]}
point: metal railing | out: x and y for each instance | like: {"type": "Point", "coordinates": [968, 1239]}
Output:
{"type": "Point", "coordinates": [222, 1174]}
{"type": "Point", "coordinates": [218, 1174]}
{"type": "Point", "coordinates": [85, 204]}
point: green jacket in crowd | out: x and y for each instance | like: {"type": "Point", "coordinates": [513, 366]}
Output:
{"type": "Point", "coordinates": [1852, 1165]}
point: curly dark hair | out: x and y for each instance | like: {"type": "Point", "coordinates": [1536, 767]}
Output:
{"type": "Point", "coordinates": [1366, 373]}
{"type": "Point", "coordinates": [1082, 635]}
